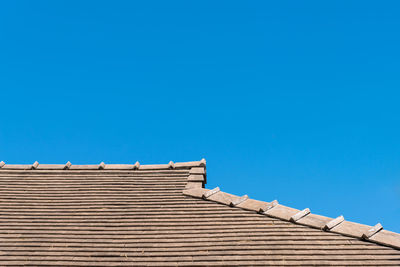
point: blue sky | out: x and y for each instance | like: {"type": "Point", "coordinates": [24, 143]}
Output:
{"type": "Point", "coordinates": [288, 100]}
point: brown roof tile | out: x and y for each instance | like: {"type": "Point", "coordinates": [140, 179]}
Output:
{"type": "Point", "coordinates": [160, 215]}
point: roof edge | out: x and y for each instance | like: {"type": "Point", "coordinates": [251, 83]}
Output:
{"type": "Point", "coordinates": [197, 177]}
{"type": "Point", "coordinates": [103, 166]}
{"type": "Point", "coordinates": [375, 234]}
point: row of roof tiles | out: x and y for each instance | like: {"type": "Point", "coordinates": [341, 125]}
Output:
{"type": "Point", "coordinates": [102, 166]}
{"type": "Point", "coordinates": [303, 217]}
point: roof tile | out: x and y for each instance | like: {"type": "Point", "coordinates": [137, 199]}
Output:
{"type": "Point", "coordinates": [387, 238]}
{"type": "Point", "coordinates": [314, 220]}
{"type": "Point", "coordinates": [222, 197]}
{"type": "Point", "coordinates": [239, 200]}
{"type": "Point", "coordinates": [251, 204]}
{"type": "Point", "coordinates": [281, 212]}
{"type": "Point", "coordinates": [351, 229]}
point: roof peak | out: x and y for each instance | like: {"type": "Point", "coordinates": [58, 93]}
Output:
{"type": "Point", "coordinates": [103, 166]}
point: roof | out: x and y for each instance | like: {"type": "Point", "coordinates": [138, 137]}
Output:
{"type": "Point", "coordinates": [161, 215]}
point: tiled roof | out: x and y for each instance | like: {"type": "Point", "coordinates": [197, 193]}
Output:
{"type": "Point", "coordinates": [160, 215]}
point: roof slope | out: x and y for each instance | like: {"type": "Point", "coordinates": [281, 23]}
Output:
{"type": "Point", "coordinates": [138, 215]}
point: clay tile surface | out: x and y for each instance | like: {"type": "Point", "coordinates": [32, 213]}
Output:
{"type": "Point", "coordinates": [155, 215]}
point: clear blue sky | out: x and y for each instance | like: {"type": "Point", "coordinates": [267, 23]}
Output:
{"type": "Point", "coordinates": [288, 100]}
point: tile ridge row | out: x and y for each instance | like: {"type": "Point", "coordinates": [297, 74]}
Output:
{"type": "Point", "coordinates": [304, 217]}
{"type": "Point", "coordinates": [103, 166]}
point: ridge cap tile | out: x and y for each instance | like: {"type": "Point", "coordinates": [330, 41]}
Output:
{"type": "Point", "coordinates": [268, 206]}
{"type": "Point", "coordinates": [314, 221]}
{"type": "Point", "coordinates": [17, 166]}
{"type": "Point", "coordinates": [210, 193]}
{"type": "Point", "coordinates": [352, 229]}
{"type": "Point", "coordinates": [239, 200]}
{"type": "Point", "coordinates": [195, 192]}
{"type": "Point", "coordinates": [50, 167]}
{"type": "Point", "coordinates": [282, 212]}
{"type": "Point", "coordinates": [119, 167]}
{"type": "Point", "coordinates": [387, 238]}
{"type": "Point", "coordinates": [251, 205]}
{"type": "Point", "coordinates": [222, 197]}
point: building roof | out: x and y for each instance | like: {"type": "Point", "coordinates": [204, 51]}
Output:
{"type": "Point", "coordinates": [161, 215]}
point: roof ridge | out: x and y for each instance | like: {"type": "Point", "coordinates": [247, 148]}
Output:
{"type": "Point", "coordinates": [103, 166]}
{"type": "Point", "coordinates": [304, 217]}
